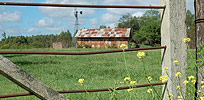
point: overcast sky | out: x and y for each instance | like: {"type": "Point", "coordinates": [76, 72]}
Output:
{"type": "Point", "coordinates": [29, 21]}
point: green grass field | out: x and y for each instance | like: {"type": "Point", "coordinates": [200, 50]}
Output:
{"type": "Point", "coordinates": [99, 71]}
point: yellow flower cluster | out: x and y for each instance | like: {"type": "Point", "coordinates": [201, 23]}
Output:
{"type": "Point", "coordinates": [171, 95]}
{"type": "Point", "coordinates": [163, 78]}
{"type": "Point", "coordinates": [123, 46]}
{"type": "Point", "coordinates": [178, 87]}
{"type": "Point", "coordinates": [149, 90]}
{"type": "Point", "coordinates": [203, 87]}
{"type": "Point", "coordinates": [132, 82]}
{"type": "Point", "coordinates": [180, 98]}
{"type": "Point", "coordinates": [175, 61]}
{"type": "Point", "coordinates": [165, 69]}
{"type": "Point", "coordinates": [141, 54]}
{"type": "Point", "coordinates": [199, 91]}
{"type": "Point", "coordinates": [202, 82]}
{"type": "Point", "coordinates": [193, 81]}
{"type": "Point", "coordinates": [81, 81]}
{"type": "Point", "coordinates": [186, 40]}
{"type": "Point", "coordinates": [149, 78]}
{"type": "Point", "coordinates": [201, 98]}
{"type": "Point", "coordinates": [178, 74]}
{"type": "Point", "coordinates": [127, 79]}
{"type": "Point", "coordinates": [185, 82]}
{"type": "Point", "coordinates": [130, 90]}
{"type": "Point", "coordinates": [191, 77]}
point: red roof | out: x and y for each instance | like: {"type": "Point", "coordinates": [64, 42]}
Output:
{"type": "Point", "coordinates": [114, 32]}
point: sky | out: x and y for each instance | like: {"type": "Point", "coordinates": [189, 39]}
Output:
{"type": "Point", "coordinates": [27, 21]}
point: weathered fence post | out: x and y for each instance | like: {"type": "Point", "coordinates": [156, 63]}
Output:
{"type": "Point", "coordinates": [28, 82]}
{"type": "Point", "coordinates": [199, 9]}
{"type": "Point", "coordinates": [173, 32]}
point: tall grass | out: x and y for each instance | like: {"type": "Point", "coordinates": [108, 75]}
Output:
{"type": "Point", "coordinates": [99, 71]}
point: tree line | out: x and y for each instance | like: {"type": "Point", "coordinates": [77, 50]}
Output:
{"type": "Point", "coordinates": [38, 41]}
{"type": "Point", "coordinates": [145, 29]}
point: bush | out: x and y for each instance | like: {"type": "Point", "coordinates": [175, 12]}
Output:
{"type": "Point", "coordinates": [133, 45]}
{"type": "Point", "coordinates": [113, 46]}
{"type": "Point", "coordinates": [86, 46]}
{"type": "Point", "coordinates": [80, 46]}
{"type": "Point", "coordinates": [37, 45]}
{"type": "Point", "coordinates": [14, 46]}
{"type": "Point", "coordinates": [5, 46]}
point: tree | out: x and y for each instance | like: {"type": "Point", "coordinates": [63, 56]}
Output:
{"type": "Point", "coordinates": [190, 28]}
{"type": "Point", "coordinates": [143, 29]}
{"type": "Point", "coordinates": [4, 35]}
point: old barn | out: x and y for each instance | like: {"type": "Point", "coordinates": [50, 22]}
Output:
{"type": "Point", "coordinates": [103, 38]}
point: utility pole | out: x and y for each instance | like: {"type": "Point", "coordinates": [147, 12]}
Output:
{"type": "Point", "coordinates": [199, 14]}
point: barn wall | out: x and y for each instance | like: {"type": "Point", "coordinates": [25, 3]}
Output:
{"type": "Point", "coordinates": [57, 45]}
{"type": "Point", "coordinates": [103, 43]}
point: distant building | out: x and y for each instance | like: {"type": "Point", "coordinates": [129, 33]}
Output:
{"type": "Point", "coordinates": [103, 38]}
{"type": "Point", "coordinates": [57, 45]}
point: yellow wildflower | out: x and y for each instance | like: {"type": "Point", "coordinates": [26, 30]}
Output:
{"type": "Point", "coordinates": [180, 98]}
{"type": "Point", "coordinates": [178, 74]}
{"type": "Point", "coordinates": [186, 40]}
{"type": "Point", "coordinates": [202, 82]}
{"type": "Point", "coordinates": [132, 82]}
{"type": "Point", "coordinates": [141, 54]}
{"type": "Point", "coordinates": [165, 69]}
{"type": "Point", "coordinates": [178, 87]}
{"type": "Point", "coordinates": [185, 82]}
{"type": "Point", "coordinates": [163, 78]}
{"type": "Point", "coordinates": [175, 61]}
{"type": "Point", "coordinates": [171, 95]}
{"type": "Point", "coordinates": [193, 81]}
{"type": "Point", "coordinates": [149, 78]}
{"type": "Point", "coordinates": [201, 98]}
{"type": "Point", "coordinates": [203, 87]}
{"type": "Point", "coordinates": [130, 90]}
{"type": "Point", "coordinates": [199, 91]}
{"type": "Point", "coordinates": [149, 90]}
{"type": "Point", "coordinates": [127, 79]}
{"type": "Point", "coordinates": [81, 81]}
{"type": "Point", "coordinates": [191, 77]}
{"type": "Point", "coordinates": [123, 46]}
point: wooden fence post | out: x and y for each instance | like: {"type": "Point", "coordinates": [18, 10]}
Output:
{"type": "Point", "coordinates": [173, 32]}
{"type": "Point", "coordinates": [199, 9]}
{"type": "Point", "coordinates": [28, 82]}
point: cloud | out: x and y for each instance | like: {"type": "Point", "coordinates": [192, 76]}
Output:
{"type": "Point", "coordinates": [138, 14]}
{"type": "Point", "coordinates": [132, 2]}
{"type": "Point", "coordinates": [190, 5]}
{"type": "Point", "coordinates": [10, 17]}
{"type": "Point", "coordinates": [2, 9]}
{"type": "Point", "coordinates": [1, 27]}
{"type": "Point", "coordinates": [67, 12]}
{"type": "Point", "coordinates": [45, 22]}
{"type": "Point", "coordinates": [10, 30]}
{"type": "Point", "coordinates": [73, 1]}
{"type": "Point", "coordinates": [109, 18]}
{"type": "Point", "coordinates": [17, 0]}
{"type": "Point", "coordinates": [33, 30]}
{"type": "Point", "coordinates": [46, 25]}
{"type": "Point", "coordinates": [94, 22]}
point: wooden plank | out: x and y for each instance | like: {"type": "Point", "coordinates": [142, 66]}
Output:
{"type": "Point", "coordinates": [199, 8]}
{"type": "Point", "coordinates": [28, 82]}
{"type": "Point", "coordinates": [173, 31]}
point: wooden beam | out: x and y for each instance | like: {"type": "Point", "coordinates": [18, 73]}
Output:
{"type": "Point", "coordinates": [28, 82]}
{"type": "Point", "coordinates": [199, 13]}
{"type": "Point", "coordinates": [173, 32]}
